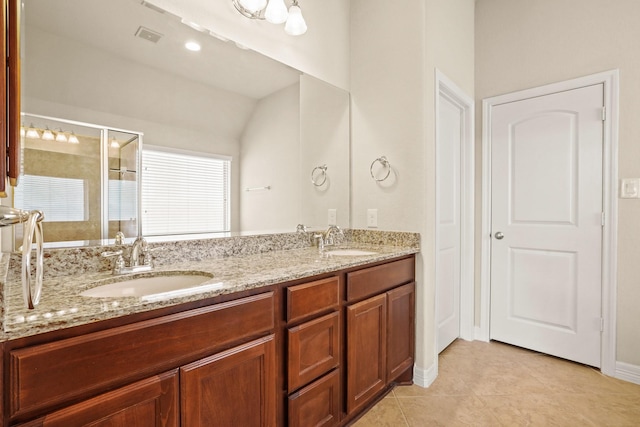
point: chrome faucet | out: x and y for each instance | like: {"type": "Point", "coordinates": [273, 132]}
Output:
{"type": "Point", "coordinates": [139, 249]}
{"type": "Point", "coordinates": [139, 260]}
{"type": "Point", "coordinates": [330, 233]}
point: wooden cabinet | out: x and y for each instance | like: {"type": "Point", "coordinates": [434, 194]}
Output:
{"type": "Point", "coordinates": [318, 404]}
{"type": "Point", "coordinates": [214, 378]}
{"type": "Point", "coordinates": [366, 350]}
{"type": "Point", "coordinates": [235, 387]}
{"type": "Point", "coordinates": [148, 403]}
{"type": "Point", "coordinates": [313, 353]}
{"type": "Point", "coordinates": [380, 330]}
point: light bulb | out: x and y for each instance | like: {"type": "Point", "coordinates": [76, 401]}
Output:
{"type": "Point", "coordinates": [295, 25]}
{"type": "Point", "coordinates": [253, 5]}
{"type": "Point", "coordinates": [73, 138]}
{"type": "Point", "coordinates": [61, 137]}
{"type": "Point", "coordinates": [114, 143]}
{"type": "Point", "coordinates": [32, 133]}
{"type": "Point", "coordinates": [276, 12]}
{"type": "Point", "coordinates": [47, 135]}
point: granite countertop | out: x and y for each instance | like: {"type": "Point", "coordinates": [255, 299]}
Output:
{"type": "Point", "coordinates": [62, 306]}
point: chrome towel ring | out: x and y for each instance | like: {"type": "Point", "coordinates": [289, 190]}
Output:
{"type": "Point", "coordinates": [319, 175]}
{"type": "Point", "coordinates": [385, 164]}
{"type": "Point", "coordinates": [32, 228]}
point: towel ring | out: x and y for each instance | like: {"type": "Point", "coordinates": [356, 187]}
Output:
{"type": "Point", "coordinates": [385, 164]}
{"type": "Point", "coordinates": [315, 177]}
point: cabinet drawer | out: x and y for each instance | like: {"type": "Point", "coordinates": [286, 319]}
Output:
{"type": "Point", "coordinates": [150, 402]}
{"type": "Point", "coordinates": [318, 404]}
{"type": "Point", "coordinates": [58, 372]}
{"type": "Point", "coordinates": [312, 298]}
{"type": "Point", "coordinates": [314, 348]}
{"type": "Point", "coordinates": [374, 280]}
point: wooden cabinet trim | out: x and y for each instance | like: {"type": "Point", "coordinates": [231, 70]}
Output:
{"type": "Point", "coordinates": [375, 280]}
{"type": "Point", "coordinates": [50, 374]}
{"type": "Point", "coordinates": [312, 298]}
{"type": "Point", "coordinates": [314, 349]}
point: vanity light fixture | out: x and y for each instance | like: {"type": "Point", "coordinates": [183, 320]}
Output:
{"type": "Point", "coordinates": [32, 132]}
{"type": "Point", "coordinates": [275, 12]}
{"type": "Point", "coordinates": [114, 143]}
{"type": "Point", "coordinates": [73, 139]}
{"type": "Point", "coordinates": [60, 136]}
{"type": "Point", "coordinates": [47, 135]}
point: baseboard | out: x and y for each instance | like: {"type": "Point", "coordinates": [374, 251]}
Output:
{"type": "Point", "coordinates": [628, 372]}
{"type": "Point", "coordinates": [425, 377]}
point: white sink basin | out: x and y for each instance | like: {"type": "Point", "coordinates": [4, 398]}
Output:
{"type": "Point", "coordinates": [350, 252]}
{"type": "Point", "coordinates": [157, 287]}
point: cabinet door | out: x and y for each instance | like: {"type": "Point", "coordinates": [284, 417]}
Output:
{"type": "Point", "coordinates": [148, 403]}
{"type": "Point", "coordinates": [314, 349]}
{"type": "Point", "coordinates": [366, 350]}
{"type": "Point", "coordinates": [318, 404]}
{"type": "Point", "coordinates": [400, 330]}
{"type": "Point", "coordinates": [236, 387]}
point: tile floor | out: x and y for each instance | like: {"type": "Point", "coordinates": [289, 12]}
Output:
{"type": "Point", "coordinates": [494, 384]}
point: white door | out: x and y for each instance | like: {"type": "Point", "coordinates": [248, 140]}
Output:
{"type": "Point", "coordinates": [546, 190]}
{"type": "Point", "coordinates": [450, 131]}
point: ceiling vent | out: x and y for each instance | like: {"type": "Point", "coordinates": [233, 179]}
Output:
{"type": "Point", "coordinates": [147, 34]}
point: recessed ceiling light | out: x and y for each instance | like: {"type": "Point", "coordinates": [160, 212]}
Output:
{"type": "Point", "coordinates": [192, 46]}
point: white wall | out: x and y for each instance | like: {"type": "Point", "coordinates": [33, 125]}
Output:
{"type": "Point", "coordinates": [323, 51]}
{"type": "Point", "coordinates": [394, 53]}
{"type": "Point", "coordinates": [522, 44]}
{"type": "Point", "coordinates": [269, 154]}
{"type": "Point", "coordinates": [324, 137]}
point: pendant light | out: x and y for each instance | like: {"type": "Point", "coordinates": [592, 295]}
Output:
{"type": "Point", "coordinates": [276, 12]}
{"type": "Point", "coordinates": [295, 25]}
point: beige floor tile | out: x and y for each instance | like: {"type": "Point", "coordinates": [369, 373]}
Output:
{"type": "Point", "coordinates": [535, 410]}
{"type": "Point", "coordinates": [449, 411]}
{"type": "Point", "coordinates": [619, 410]}
{"type": "Point", "coordinates": [505, 380]}
{"type": "Point", "coordinates": [386, 413]}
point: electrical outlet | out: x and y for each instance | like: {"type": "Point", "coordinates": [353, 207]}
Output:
{"type": "Point", "coordinates": [630, 188]}
{"type": "Point", "coordinates": [332, 217]}
{"type": "Point", "coordinates": [372, 218]}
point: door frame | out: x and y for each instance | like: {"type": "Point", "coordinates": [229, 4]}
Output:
{"type": "Point", "coordinates": [610, 81]}
{"type": "Point", "coordinates": [447, 88]}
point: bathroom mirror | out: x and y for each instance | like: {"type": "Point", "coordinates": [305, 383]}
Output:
{"type": "Point", "coordinates": [123, 64]}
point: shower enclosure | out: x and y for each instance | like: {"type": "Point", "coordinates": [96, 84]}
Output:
{"type": "Point", "coordinates": [84, 177]}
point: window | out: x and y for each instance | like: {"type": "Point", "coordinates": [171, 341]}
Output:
{"type": "Point", "coordinates": [184, 192]}
{"type": "Point", "coordinates": [61, 199]}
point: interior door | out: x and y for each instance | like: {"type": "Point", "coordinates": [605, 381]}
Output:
{"type": "Point", "coordinates": [546, 190]}
{"type": "Point", "coordinates": [448, 261]}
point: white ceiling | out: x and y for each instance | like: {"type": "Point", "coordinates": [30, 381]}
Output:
{"type": "Point", "coordinates": [111, 25]}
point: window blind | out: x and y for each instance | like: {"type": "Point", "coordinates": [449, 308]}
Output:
{"type": "Point", "coordinates": [122, 200]}
{"type": "Point", "coordinates": [184, 193]}
{"type": "Point", "coordinates": [61, 199]}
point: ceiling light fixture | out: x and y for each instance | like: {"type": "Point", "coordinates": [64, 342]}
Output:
{"type": "Point", "coordinates": [192, 46]}
{"type": "Point", "coordinates": [114, 143]}
{"type": "Point", "coordinates": [275, 12]}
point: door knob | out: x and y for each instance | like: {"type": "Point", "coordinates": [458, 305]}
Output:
{"type": "Point", "coordinates": [499, 235]}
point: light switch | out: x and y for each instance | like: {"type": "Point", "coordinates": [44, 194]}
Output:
{"type": "Point", "coordinates": [372, 218]}
{"type": "Point", "coordinates": [630, 188]}
{"type": "Point", "coordinates": [332, 217]}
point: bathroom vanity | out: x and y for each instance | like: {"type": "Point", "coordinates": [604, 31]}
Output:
{"type": "Point", "coordinates": [291, 338]}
